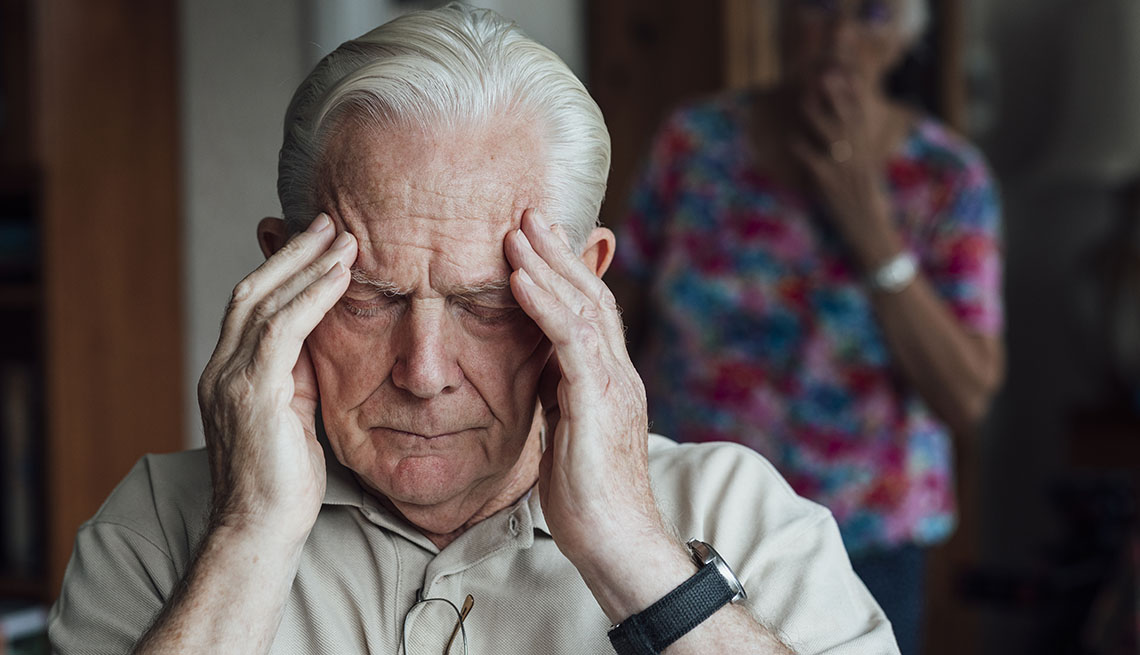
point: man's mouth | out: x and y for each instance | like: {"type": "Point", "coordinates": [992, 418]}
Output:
{"type": "Point", "coordinates": [422, 435]}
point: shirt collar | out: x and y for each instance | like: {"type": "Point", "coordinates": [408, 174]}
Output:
{"type": "Point", "coordinates": [534, 504]}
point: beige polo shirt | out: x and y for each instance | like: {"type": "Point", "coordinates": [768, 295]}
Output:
{"type": "Point", "coordinates": [363, 569]}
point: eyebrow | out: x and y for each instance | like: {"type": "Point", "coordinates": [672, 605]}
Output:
{"type": "Point", "coordinates": [385, 287]}
{"type": "Point", "coordinates": [469, 291]}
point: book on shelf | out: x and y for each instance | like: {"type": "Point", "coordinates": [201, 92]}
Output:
{"type": "Point", "coordinates": [19, 249]}
{"type": "Point", "coordinates": [23, 629]}
{"type": "Point", "coordinates": [19, 236]}
{"type": "Point", "coordinates": [20, 475]}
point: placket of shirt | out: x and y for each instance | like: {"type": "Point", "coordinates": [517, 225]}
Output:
{"type": "Point", "coordinates": [491, 543]}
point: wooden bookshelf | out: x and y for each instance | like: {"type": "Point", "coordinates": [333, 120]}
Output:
{"type": "Point", "coordinates": [23, 587]}
{"type": "Point", "coordinates": [16, 295]}
{"type": "Point", "coordinates": [646, 57]}
{"type": "Point", "coordinates": [91, 136]}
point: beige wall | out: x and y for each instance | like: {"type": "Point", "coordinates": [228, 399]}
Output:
{"type": "Point", "coordinates": [240, 62]}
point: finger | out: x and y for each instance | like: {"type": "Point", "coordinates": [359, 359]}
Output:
{"type": "Point", "coordinates": [553, 247]}
{"type": "Point", "coordinates": [840, 100]}
{"type": "Point", "coordinates": [602, 313]}
{"type": "Point", "coordinates": [817, 165]}
{"type": "Point", "coordinates": [281, 336]}
{"type": "Point", "coordinates": [555, 250]}
{"type": "Point", "coordinates": [522, 255]}
{"type": "Point", "coordinates": [343, 249]}
{"type": "Point", "coordinates": [298, 252]}
{"type": "Point", "coordinates": [858, 94]}
{"type": "Point", "coordinates": [545, 468]}
{"type": "Point", "coordinates": [305, 379]}
{"type": "Point", "coordinates": [823, 127]}
{"type": "Point", "coordinates": [576, 340]}
{"type": "Point", "coordinates": [548, 390]}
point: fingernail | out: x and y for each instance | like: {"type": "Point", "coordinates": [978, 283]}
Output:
{"type": "Point", "coordinates": [525, 277]}
{"type": "Point", "coordinates": [320, 223]}
{"type": "Point", "coordinates": [342, 241]}
{"type": "Point", "coordinates": [337, 270]}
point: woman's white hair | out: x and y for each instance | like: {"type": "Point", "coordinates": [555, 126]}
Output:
{"type": "Point", "coordinates": [451, 68]}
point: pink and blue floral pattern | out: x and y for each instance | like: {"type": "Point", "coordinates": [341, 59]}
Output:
{"type": "Point", "coordinates": [761, 332]}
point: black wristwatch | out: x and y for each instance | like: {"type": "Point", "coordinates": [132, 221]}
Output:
{"type": "Point", "coordinates": [652, 630]}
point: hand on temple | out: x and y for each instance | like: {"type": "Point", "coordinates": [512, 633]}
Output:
{"type": "Point", "coordinates": [258, 393]}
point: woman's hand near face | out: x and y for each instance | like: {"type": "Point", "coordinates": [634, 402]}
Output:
{"type": "Point", "coordinates": [258, 393]}
{"type": "Point", "coordinates": [843, 152]}
{"type": "Point", "coordinates": [954, 370]}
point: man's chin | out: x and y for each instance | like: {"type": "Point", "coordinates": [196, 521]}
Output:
{"type": "Point", "coordinates": [425, 480]}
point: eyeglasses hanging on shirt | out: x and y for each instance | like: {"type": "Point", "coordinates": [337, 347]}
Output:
{"type": "Point", "coordinates": [459, 629]}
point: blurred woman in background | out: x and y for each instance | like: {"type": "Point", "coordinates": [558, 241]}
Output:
{"type": "Point", "coordinates": [814, 271]}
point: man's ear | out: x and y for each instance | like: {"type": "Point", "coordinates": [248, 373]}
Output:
{"type": "Point", "coordinates": [271, 235]}
{"type": "Point", "coordinates": [599, 251]}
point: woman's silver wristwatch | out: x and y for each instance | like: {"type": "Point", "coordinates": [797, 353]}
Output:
{"type": "Point", "coordinates": [895, 275]}
{"type": "Point", "coordinates": [652, 630]}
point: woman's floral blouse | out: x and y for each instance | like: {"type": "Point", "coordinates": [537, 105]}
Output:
{"type": "Point", "coordinates": [760, 331]}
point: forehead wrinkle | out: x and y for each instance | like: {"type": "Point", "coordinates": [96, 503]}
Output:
{"type": "Point", "coordinates": [462, 289]}
{"type": "Point", "coordinates": [369, 185]}
{"type": "Point", "coordinates": [412, 203]}
{"type": "Point", "coordinates": [454, 206]}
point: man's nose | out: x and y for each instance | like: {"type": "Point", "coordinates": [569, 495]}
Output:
{"type": "Point", "coordinates": [426, 363]}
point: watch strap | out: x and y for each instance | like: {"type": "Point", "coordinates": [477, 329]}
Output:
{"type": "Point", "coordinates": [652, 630]}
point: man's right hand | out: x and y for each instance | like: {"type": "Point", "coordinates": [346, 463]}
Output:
{"type": "Point", "coordinates": [258, 393]}
{"type": "Point", "coordinates": [259, 400]}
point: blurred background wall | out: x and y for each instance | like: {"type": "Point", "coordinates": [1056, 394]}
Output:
{"type": "Point", "coordinates": [1056, 92]}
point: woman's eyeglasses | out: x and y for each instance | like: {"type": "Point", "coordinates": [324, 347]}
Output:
{"type": "Point", "coordinates": [871, 13]}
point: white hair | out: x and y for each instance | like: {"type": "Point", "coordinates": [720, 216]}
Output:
{"type": "Point", "coordinates": [444, 69]}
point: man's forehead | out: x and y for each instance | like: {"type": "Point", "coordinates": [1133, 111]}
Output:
{"type": "Point", "coordinates": [430, 208]}
{"type": "Point", "coordinates": [465, 181]}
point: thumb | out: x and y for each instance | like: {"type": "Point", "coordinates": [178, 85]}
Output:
{"type": "Point", "coordinates": [305, 391]}
{"type": "Point", "coordinates": [545, 466]}
{"type": "Point", "coordinates": [548, 383]}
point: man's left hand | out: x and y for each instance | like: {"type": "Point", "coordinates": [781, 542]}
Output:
{"type": "Point", "coordinates": [594, 477]}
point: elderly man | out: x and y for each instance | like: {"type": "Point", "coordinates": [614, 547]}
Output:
{"type": "Point", "coordinates": [423, 398]}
